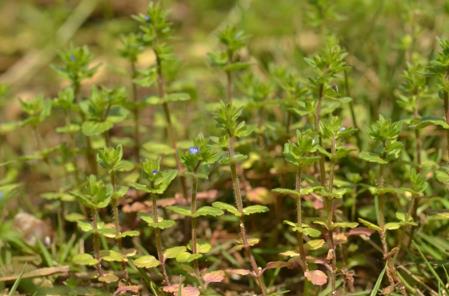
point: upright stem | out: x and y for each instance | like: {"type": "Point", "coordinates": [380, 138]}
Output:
{"type": "Point", "coordinates": [170, 128]}
{"type": "Point", "coordinates": [446, 115]}
{"type": "Point", "coordinates": [317, 129]}
{"type": "Point", "coordinates": [239, 204]}
{"type": "Point", "coordinates": [302, 253]}
{"type": "Point", "coordinates": [89, 154]}
{"type": "Point", "coordinates": [380, 209]}
{"type": "Point", "coordinates": [157, 234]}
{"type": "Point", "coordinates": [412, 211]}
{"type": "Point", "coordinates": [351, 109]}
{"type": "Point", "coordinates": [115, 214]}
{"type": "Point", "coordinates": [330, 217]}
{"type": "Point", "coordinates": [136, 112]}
{"type": "Point", "coordinates": [193, 220]}
{"type": "Point", "coordinates": [96, 241]}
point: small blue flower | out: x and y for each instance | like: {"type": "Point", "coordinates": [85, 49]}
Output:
{"type": "Point", "coordinates": [194, 150]}
{"type": "Point", "coordinates": [147, 18]}
{"type": "Point", "coordinates": [342, 129]}
{"type": "Point", "coordinates": [72, 57]}
{"type": "Point", "coordinates": [154, 172]}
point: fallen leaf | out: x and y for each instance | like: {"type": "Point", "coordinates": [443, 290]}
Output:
{"type": "Point", "coordinates": [237, 271]}
{"type": "Point", "coordinates": [123, 289]}
{"type": "Point", "coordinates": [316, 277]}
{"type": "Point", "coordinates": [260, 195]}
{"type": "Point", "coordinates": [340, 238]}
{"type": "Point", "coordinates": [108, 278]}
{"type": "Point", "coordinates": [363, 232]}
{"type": "Point", "coordinates": [185, 291]}
{"type": "Point", "coordinates": [214, 276]}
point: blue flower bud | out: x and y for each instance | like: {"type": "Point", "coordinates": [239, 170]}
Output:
{"type": "Point", "coordinates": [194, 150]}
{"type": "Point", "coordinates": [72, 57]}
{"type": "Point", "coordinates": [154, 172]}
{"type": "Point", "coordinates": [147, 18]}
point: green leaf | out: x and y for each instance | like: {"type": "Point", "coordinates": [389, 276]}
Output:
{"type": "Point", "coordinates": [203, 248]}
{"type": "Point", "coordinates": [177, 97]}
{"type": "Point", "coordinates": [345, 224]}
{"type": "Point", "coordinates": [186, 257]}
{"type": "Point", "coordinates": [226, 207]}
{"type": "Point", "coordinates": [371, 157]}
{"type": "Point", "coordinates": [180, 211]}
{"type": "Point", "coordinates": [161, 224]}
{"type": "Point", "coordinates": [85, 226]}
{"type": "Point", "coordinates": [114, 256]}
{"type": "Point", "coordinates": [286, 191]}
{"type": "Point", "coordinates": [370, 225]}
{"type": "Point", "coordinates": [315, 244]}
{"type": "Point", "coordinates": [255, 209]}
{"type": "Point", "coordinates": [129, 233]}
{"type": "Point", "coordinates": [146, 261]}
{"type": "Point", "coordinates": [68, 129]}
{"type": "Point", "coordinates": [84, 259]}
{"type": "Point", "coordinates": [442, 176]}
{"type": "Point", "coordinates": [108, 278]}
{"type": "Point", "coordinates": [93, 128]}
{"type": "Point", "coordinates": [392, 226]}
{"type": "Point", "coordinates": [174, 251]}
{"type": "Point", "coordinates": [158, 148]}
{"type": "Point", "coordinates": [74, 217]}
{"type": "Point", "coordinates": [208, 211]}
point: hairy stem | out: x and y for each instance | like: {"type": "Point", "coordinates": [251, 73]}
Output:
{"type": "Point", "coordinates": [96, 241]}
{"type": "Point", "coordinates": [157, 237]}
{"type": "Point", "coordinates": [170, 128]}
{"type": "Point", "coordinates": [193, 207]}
{"type": "Point", "coordinates": [89, 153]}
{"type": "Point", "coordinates": [317, 129]}
{"type": "Point", "coordinates": [239, 204]}
{"type": "Point", "coordinates": [301, 249]}
{"type": "Point", "coordinates": [136, 112]}
{"type": "Point", "coordinates": [380, 215]}
{"type": "Point", "coordinates": [330, 207]}
{"type": "Point", "coordinates": [446, 115]}
{"type": "Point", "coordinates": [351, 109]}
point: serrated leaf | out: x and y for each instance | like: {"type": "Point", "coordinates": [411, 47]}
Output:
{"type": "Point", "coordinates": [286, 191]}
{"type": "Point", "coordinates": [255, 209]}
{"type": "Point", "coordinates": [94, 128]}
{"type": "Point", "coordinates": [113, 256]}
{"type": "Point", "coordinates": [226, 207]}
{"type": "Point", "coordinates": [174, 251]}
{"type": "Point", "coordinates": [129, 233]}
{"type": "Point", "coordinates": [392, 226]}
{"type": "Point", "coordinates": [186, 257]}
{"type": "Point", "coordinates": [370, 225]}
{"type": "Point", "coordinates": [177, 97]}
{"type": "Point", "coordinates": [208, 211]}
{"type": "Point", "coordinates": [180, 211]}
{"type": "Point", "coordinates": [315, 244]}
{"type": "Point", "coordinates": [74, 217]}
{"type": "Point", "coordinates": [442, 176]}
{"type": "Point", "coordinates": [84, 226]}
{"type": "Point", "coordinates": [371, 157]}
{"type": "Point", "coordinates": [146, 261]}
{"type": "Point", "coordinates": [345, 224]}
{"type": "Point", "coordinates": [84, 259]}
{"type": "Point", "coordinates": [161, 224]}
{"type": "Point", "coordinates": [108, 278]}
